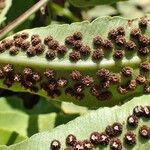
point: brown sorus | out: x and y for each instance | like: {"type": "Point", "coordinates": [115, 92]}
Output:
{"type": "Point", "coordinates": [69, 91]}
{"type": "Point", "coordinates": [8, 82]}
{"type": "Point", "coordinates": [25, 45]}
{"type": "Point", "coordinates": [85, 50]}
{"type": "Point", "coordinates": [97, 55]}
{"type": "Point", "coordinates": [8, 69]}
{"type": "Point", "coordinates": [61, 49]}
{"type": "Point", "coordinates": [61, 82]}
{"type": "Point", "coordinates": [88, 145]}
{"type": "Point", "coordinates": [113, 34]}
{"type": "Point", "coordinates": [87, 80]}
{"type": "Point", "coordinates": [49, 74]}
{"type": "Point", "coordinates": [103, 73]}
{"type": "Point", "coordinates": [1, 74]}
{"type": "Point", "coordinates": [143, 51]}
{"type": "Point", "coordinates": [69, 40]}
{"type": "Point", "coordinates": [35, 41]}
{"type": "Point", "coordinates": [127, 71]}
{"type": "Point", "coordinates": [144, 40]}
{"type": "Point", "coordinates": [120, 31]}
{"type": "Point", "coordinates": [98, 41]}
{"type": "Point", "coordinates": [105, 95]}
{"type": "Point", "coordinates": [34, 36]}
{"type": "Point", "coordinates": [50, 54]}
{"type": "Point", "coordinates": [8, 43]}
{"type": "Point", "coordinates": [14, 50]}
{"type": "Point", "coordinates": [71, 139]}
{"type": "Point", "coordinates": [147, 88]}
{"type": "Point", "coordinates": [69, 148]}
{"type": "Point", "coordinates": [147, 111]}
{"type": "Point", "coordinates": [143, 22]}
{"type": "Point", "coordinates": [115, 144]}
{"type": "Point", "coordinates": [130, 45]}
{"type": "Point", "coordinates": [103, 139]}
{"type": "Point", "coordinates": [17, 77]}
{"type": "Point", "coordinates": [79, 145]}
{"type": "Point", "coordinates": [136, 32]}
{"type": "Point", "coordinates": [118, 54]}
{"type": "Point", "coordinates": [27, 72]}
{"type": "Point", "coordinates": [2, 48]}
{"type": "Point", "coordinates": [132, 85]}
{"type": "Point", "coordinates": [138, 111]}
{"type": "Point", "coordinates": [31, 51]}
{"type": "Point", "coordinates": [75, 75]}
{"type": "Point", "coordinates": [16, 36]}
{"type": "Point", "coordinates": [130, 138]}
{"type": "Point", "coordinates": [120, 40]}
{"type": "Point", "coordinates": [105, 84]}
{"type": "Point", "coordinates": [79, 96]}
{"type": "Point", "coordinates": [145, 66]}
{"type": "Point", "coordinates": [95, 91]}
{"type": "Point", "coordinates": [107, 44]}
{"type": "Point", "coordinates": [77, 36]}
{"type": "Point", "coordinates": [77, 45]}
{"type": "Point", "coordinates": [24, 35]}
{"type": "Point", "coordinates": [132, 120]}
{"type": "Point", "coordinates": [48, 39]}
{"type": "Point", "coordinates": [39, 48]}
{"type": "Point", "coordinates": [140, 79]}
{"type": "Point", "coordinates": [18, 42]}
{"type": "Point", "coordinates": [144, 131]}
{"type": "Point", "coordinates": [36, 77]}
{"type": "Point", "coordinates": [114, 78]}
{"type": "Point", "coordinates": [122, 89]}
{"type": "Point", "coordinates": [53, 44]}
{"type": "Point", "coordinates": [74, 56]}
{"type": "Point", "coordinates": [55, 145]}
{"type": "Point", "coordinates": [95, 138]}
{"type": "Point", "coordinates": [78, 88]}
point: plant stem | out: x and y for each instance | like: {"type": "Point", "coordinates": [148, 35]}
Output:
{"type": "Point", "coordinates": [22, 18]}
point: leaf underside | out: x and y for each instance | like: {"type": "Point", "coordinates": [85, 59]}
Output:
{"type": "Point", "coordinates": [63, 66]}
{"type": "Point", "coordinates": [86, 3]}
{"type": "Point", "coordinates": [83, 126]}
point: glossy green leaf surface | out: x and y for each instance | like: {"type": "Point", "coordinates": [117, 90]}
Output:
{"type": "Point", "coordinates": [83, 126]}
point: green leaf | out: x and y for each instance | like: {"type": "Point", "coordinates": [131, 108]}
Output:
{"type": "Point", "coordinates": [63, 66]}
{"type": "Point", "coordinates": [8, 137]}
{"type": "Point", "coordinates": [86, 3]}
{"type": "Point", "coordinates": [3, 13]}
{"type": "Point", "coordinates": [14, 117]}
{"type": "Point", "coordinates": [83, 126]}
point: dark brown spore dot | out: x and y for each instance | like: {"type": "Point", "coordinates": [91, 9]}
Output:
{"type": "Point", "coordinates": [69, 148]}
{"type": "Point", "coordinates": [62, 83]}
{"type": "Point", "coordinates": [85, 50]}
{"type": "Point", "coordinates": [113, 34]}
{"type": "Point", "coordinates": [132, 85]}
{"type": "Point", "coordinates": [143, 22]}
{"type": "Point", "coordinates": [144, 131]}
{"type": "Point", "coordinates": [74, 56]}
{"type": "Point", "coordinates": [77, 45]}
{"type": "Point", "coordinates": [127, 71]}
{"type": "Point", "coordinates": [75, 75]}
{"type": "Point", "coordinates": [109, 131]}
{"type": "Point", "coordinates": [87, 80]}
{"type": "Point", "coordinates": [49, 74]}
{"type": "Point", "coordinates": [24, 35]}
{"type": "Point", "coordinates": [78, 88]}
{"type": "Point", "coordinates": [107, 44]}
{"type": "Point", "coordinates": [122, 89]}
{"type": "Point", "coordinates": [1, 74]}
{"type": "Point", "coordinates": [121, 31]}
{"type": "Point", "coordinates": [103, 73]}
{"type": "Point", "coordinates": [130, 138]}
{"type": "Point", "coordinates": [2, 48]}
{"type": "Point", "coordinates": [88, 145]}
{"type": "Point", "coordinates": [27, 72]}
{"type": "Point", "coordinates": [105, 84]}
{"type": "Point", "coordinates": [136, 32]}
{"type": "Point", "coordinates": [95, 138]}
{"type": "Point", "coordinates": [114, 78]}
{"type": "Point", "coordinates": [144, 40]}
{"type": "Point", "coordinates": [8, 69]}
{"type": "Point", "coordinates": [79, 145]}
{"type": "Point", "coordinates": [98, 41]}
{"type": "Point", "coordinates": [132, 120]}
{"type": "Point", "coordinates": [53, 44]}
{"type": "Point", "coordinates": [118, 54]}
{"type": "Point", "coordinates": [117, 128]}
{"type": "Point", "coordinates": [115, 144]}
{"type": "Point", "coordinates": [34, 36]}
{"type": "Point", "coordinates": [147, 88]}
{"type": "Point", "coordinates": [147, 111]}
{"type": "Point", "coordinates": [36, 77]}
{"type": "Point", "coordinates": [39, 48]}
{"type": "Point", "coordinates": [48, 39]}
{"type": "Point", "coordinates": [69, 40]}
{"type": "Point", "coordinates": [25, 45]}
{"type": "Point", "coordinates": [31, 51]}
{"type": "Point", "coordinates": [103, 139]}
{"type": "Point", "coordinates": [50, 54]}
{"type": "Point", "coordinates": [17, 78]}
{"type": "Point", "coordinates": [97, 55]}
{"type": "Point", "coordinates": [120, 40]}
{"type": "Point", "coordinates": [18, 42]}
{"type": "Point", "coordinates": [95, 91]}
{"type": "Point", "coordinates": [55, 145]}
{"type": "Point", "coordinates": [130, 45]}
{"type": "Point", "coordinates": [8, 82]}
{"type": "Point", "coordinates": [77, 36]}
{"type": "Point", "coordinates": [8, 43]}
{"type": "Point", "coordinates": [145, 66]}
{"type": "Point", "coordinates": [16, 36]}
{"type": "Point", "coordinates": [69, 91]}
{"type": "Point", "coordinates": [35, 41]}
{"type": "Point", "coordinates": [71, 140]}
{"type": "Point", "coordinates": [140, 79]}
{"type": "Point", "coordinates": [138, 111]}
{"type": "Point", "coordinates": [14, 50]}
{"type": "Point", "coordinates": [143, 51]}
{"type": "Point", "coordinates": [61, 49]}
